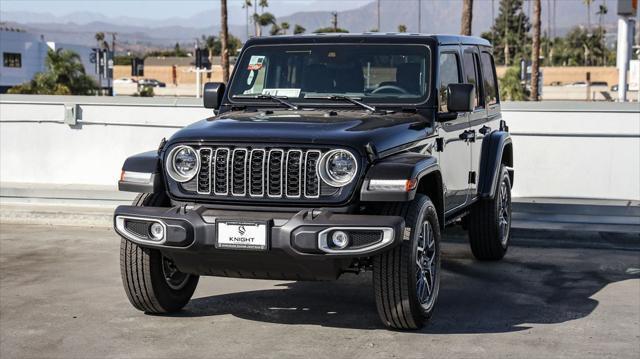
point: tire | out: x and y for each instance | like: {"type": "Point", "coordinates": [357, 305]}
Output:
{"type": "Point", "coordinates": [396, 275]}
{"type": "Point", "coordinates": [143, 273]}
{"type": "Point", "coordinates": [489, 222]}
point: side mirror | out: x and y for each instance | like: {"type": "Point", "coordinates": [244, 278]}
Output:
{"type": "Point", "coordinates": [212, 96]}
{"type": "Point", "coordinates": [462, 97]}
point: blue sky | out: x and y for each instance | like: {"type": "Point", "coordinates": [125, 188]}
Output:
{"type": "Point", "coordinates": [159, 9]}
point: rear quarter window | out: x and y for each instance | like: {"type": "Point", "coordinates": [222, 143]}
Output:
{"type": "Point", "coordinates": [489, 79]}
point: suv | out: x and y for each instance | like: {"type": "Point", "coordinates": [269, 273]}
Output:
{"type": "Point", "coordinates": [326, 154]}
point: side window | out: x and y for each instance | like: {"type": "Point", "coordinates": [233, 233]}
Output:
{"type": "Point", "coordinates": [471, 74]}
{"type": "Point", "coordinates": [489, 79]}
{"type": "Point", "coordinates": [448, 75]}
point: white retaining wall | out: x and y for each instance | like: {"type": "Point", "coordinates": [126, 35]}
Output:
{"type": "Point", "coordinates": [561, 149]}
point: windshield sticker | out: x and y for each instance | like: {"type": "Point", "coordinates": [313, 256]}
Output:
{"type": "Point", "coordinates": [282, 92]}
{"type": "Point", "coordinates": [250, 78]}
{"type": "Point", "coordinates": [255, 63]}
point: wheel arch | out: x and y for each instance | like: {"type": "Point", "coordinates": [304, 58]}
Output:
{"type": "Point", "coordinates": [497, 150]}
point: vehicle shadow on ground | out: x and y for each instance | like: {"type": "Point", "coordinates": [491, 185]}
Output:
{"type": "Point", "coordinates": [475, 297]}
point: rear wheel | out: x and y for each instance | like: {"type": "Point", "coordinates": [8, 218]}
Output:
{"type": "Point", "coordinates": [406, 279]}
{"type": "Point", "coordinates": [152, 281]}
{"type": "Point", "coordinates": [489, 222]}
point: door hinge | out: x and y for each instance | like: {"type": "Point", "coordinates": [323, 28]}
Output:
{"type": "Point", "coordinates": [439, 144]}
{"type": "Point", "coordinates": [472, 177]}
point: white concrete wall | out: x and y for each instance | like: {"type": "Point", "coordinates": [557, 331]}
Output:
{"type": "Point", "coordinates": [561, 149]}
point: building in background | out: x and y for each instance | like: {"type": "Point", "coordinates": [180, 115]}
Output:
{"type": "Point", "coordinates": [24, 53]}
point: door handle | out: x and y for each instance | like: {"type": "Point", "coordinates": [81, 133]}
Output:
{"type": "Point", "coordinates": [468, 135]}
{"type": "Point", "coordinates": [484, 130]}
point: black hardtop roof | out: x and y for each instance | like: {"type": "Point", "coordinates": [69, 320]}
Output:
{"type": "Point", "coordinates": [370, 37]}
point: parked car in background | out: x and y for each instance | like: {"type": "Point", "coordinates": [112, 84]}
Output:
{"type": "Point", "coordinates": [151, 83]}
{"type": "Point", "coordinates": [124, 81]}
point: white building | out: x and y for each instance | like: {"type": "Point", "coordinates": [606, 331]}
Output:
{"type": "Point", "coordinates": [23, 55]}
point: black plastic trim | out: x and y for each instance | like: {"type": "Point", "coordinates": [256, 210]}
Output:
{"type": "Point", "coordinates": [493, 147]}
{"type": "Point", "coordinates": [403, 166]}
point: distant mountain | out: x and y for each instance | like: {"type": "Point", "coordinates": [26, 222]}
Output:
{"type": "Point", "coordinates": [438, 16]}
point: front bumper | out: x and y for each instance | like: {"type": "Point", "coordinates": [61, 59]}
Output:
{"type": "Point", "coordinates": [297, 245]}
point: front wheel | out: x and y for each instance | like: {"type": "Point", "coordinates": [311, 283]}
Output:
{"type": "Point", "coordinates": [406, 279]}
{"type": "Point", "coordinates": [152, 281]}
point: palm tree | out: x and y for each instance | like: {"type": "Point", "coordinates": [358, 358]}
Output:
{"type": "Point", "coordinates": [263, 4]}
{"type": "Point", "coordinates": [99, 38]}
{"type": "Point", "coordinates": [262, 20]}
{"type": "Point", "coordinates": [467, 17]}
{"type": "Point", "coordinates": [602, 11]}
{"type": "Point", "coordinates": [535, 56]}
{"type": "Point", "coordinates": [285, 27]}
{"type": "Point", "coordinates": [297, 30]}
{"type": "Point", "coordinates": [588, 3]}
{"type": "Point", "coordinates": [224, 40]}
{"type": "Point", "coordinates": [246, 5]}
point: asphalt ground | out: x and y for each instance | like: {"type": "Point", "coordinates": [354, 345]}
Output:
{"type": "Point", "coordinates": [552, 296]}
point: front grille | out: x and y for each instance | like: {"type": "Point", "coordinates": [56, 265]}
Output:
{"type": "Point", "coordinates": [259, 172]}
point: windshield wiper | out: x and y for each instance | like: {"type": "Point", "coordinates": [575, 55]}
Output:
{"type": "Point", "coordinates": [353, 100]}
{"type": "Point", "coordinates": [278, 99]}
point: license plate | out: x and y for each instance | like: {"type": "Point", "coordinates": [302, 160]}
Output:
{"type": "Point", "coordinates": [241, 235]}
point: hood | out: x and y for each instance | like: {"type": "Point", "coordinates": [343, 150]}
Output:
{"type": "Point", "coordinates": [329, 127]}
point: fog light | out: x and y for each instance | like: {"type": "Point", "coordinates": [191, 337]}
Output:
{"type": "Point", "coordinates": [157, 231]}
{"type": "Point", "coordinates": [340, 239]}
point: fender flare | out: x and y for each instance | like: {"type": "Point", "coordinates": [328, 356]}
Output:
{"type": "Point", "coordinates": [404, 166]}
{"type": "Point", "coordinates": [147, 165]}
{"type": "Point", "coordinates": [494, 147]}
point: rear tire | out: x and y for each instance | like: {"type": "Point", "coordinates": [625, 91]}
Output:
{"type": "Point", "coordinates": [152, 283]}
{"type": "Point", "coordinates": [490, 222]}
{"type": "Point", "coordinates": [406, 279]}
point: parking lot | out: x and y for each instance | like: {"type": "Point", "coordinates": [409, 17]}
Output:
{"type": "Point", "coordinates": [61, 296]}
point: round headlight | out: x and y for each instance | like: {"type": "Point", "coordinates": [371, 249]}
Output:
{"type": "Point", "coordinates": [338, 168]}
{"type": "Point", "coordinates": [182, 163]}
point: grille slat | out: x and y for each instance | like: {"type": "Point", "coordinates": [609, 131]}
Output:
{"type": "Point", "coordinates": [258, 172]}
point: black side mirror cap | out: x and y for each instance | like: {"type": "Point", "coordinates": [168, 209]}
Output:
{"type": "Point", "coordinates": [212, 95]}
{"type": "Point", "coordinates": [461, 97]}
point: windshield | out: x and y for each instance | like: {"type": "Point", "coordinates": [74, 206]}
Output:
{"type": "Point", "coordinates": [383, 74]}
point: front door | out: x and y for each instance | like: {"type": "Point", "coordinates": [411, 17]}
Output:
{"type": "Point", "coordinates": [455, 157]}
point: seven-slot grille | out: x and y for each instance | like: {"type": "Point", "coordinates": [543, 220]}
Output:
{"type": "Point", "coordinates": [258, 172]}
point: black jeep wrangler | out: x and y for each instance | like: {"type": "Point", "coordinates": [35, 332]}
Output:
{"type": "Point", "coordinates": [327, 154]}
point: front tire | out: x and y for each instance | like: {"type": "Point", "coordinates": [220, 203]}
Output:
{"type": "Point", "coordinates": [406, 279]}
{"type": "Point", "coordinates": [490, 222]}
{"type": "Point", "coordinates": [152, 282]}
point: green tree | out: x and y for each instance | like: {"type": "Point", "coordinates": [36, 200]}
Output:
{"type": "Point", "coordinates": [511, 88]}
{"type": "Point", "coordinates": [509, 33]}
{"type": "Point", "coordinates": [581, 47]}
{"type": "Point", "coordinates": [329, 29]}
{"type": "Point", "coordinates": [285, 27]}
{"type": "Point", "coordinates": [262, 20]}
{"type": "Point", "coordinates": [402, 28]}
{"type": "Point", "coordinates": [65, 76]}
{"type": "Point", "coordinates": [297, 30]}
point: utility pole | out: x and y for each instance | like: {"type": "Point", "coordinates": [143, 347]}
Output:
{"type": "Point", "coordinates": [334, 21]}
{"type": "Point", "coordinates": [626, 11]}
{"type": "Point", "coordinates": [419, 16]}
{"type": "Point", "coordinates": [378, 28]}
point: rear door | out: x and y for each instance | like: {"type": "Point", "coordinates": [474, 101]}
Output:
{"type": "Point", "coordinates": [490, 121]}
{"type": "Point", "coordinates": [454, 158]}
{"type": "Point", "coordinates": [477, 118]}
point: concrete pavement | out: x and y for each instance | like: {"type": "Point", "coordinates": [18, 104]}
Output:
{"type": "Point", "coordinates": [61, 297]}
